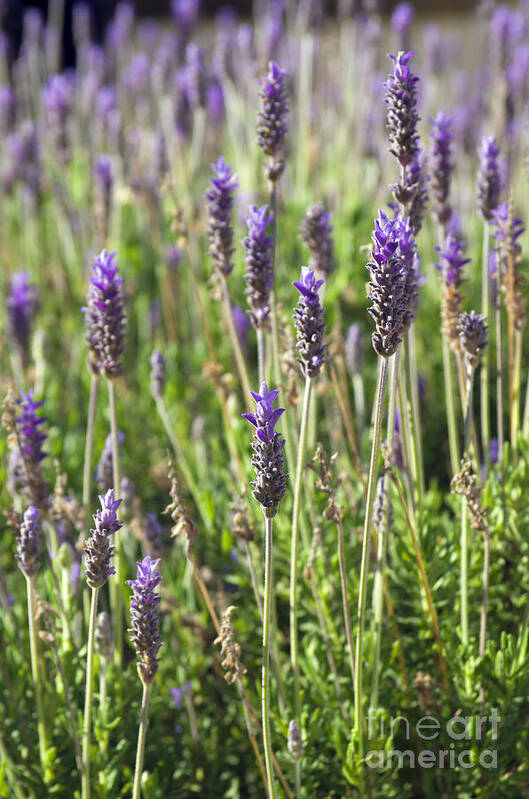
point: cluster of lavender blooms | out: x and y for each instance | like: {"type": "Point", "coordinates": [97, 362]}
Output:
{"type": "Point", "coordinates": [401, 120]}
{"type": "Point", "coordinates": [272, 120]}
{"type": "Point", "coordinates": [442, 166]}
{"type": "Point", "coordinates": [259, 275]}
{"type": "Point", "coordinates": [310, 326]}
{"type": "Point", "coordinates": [316, 232]}
{"type": "Point", "coordinates": [105, 317]}
{"type": "Point", "coordinates": [99, 549]}
{"type": "Point", "coordinates": [104, 474]}
{"type": "Point", "coordinates": [25, 477]}
{"type": "Point", "coordinates": [157, 374]}
{"type": "Point", "coordinates": [21, 310]}
{"type": "Point", "coordinates": [473, 336]}
{"type": "Point", "coordinates": [144, 630]}
{"type": "Point", "coordinates": [28, 542]}
{"type": "Point", "coordinates": [220, 202]}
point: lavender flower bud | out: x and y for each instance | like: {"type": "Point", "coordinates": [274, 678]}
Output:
{"type": "Point", "coordinates": [105, 318]}
{"type": "Point", "coordinates": [157, 374]}
{"type": "Point", "coordinates": [21, 309]}
{"type": "Point", "coordinates": [473, 335]}
{"type": "Point", "coordinates": [378, 509]}
{"type": "Point", "coordinates": [272, 120]}
{"type": "Point", "coordinates": [28, 542]}
{"type": "Point", "coordinates": [259, 273]}
{"type": "Point", "coordinates": [417, 179]}
{"type": "Point", "coordinates": [441, 136]}
{"type": "Point", "coordinates": [392, 287]}
{"type": "Point", "coordinates": [98, 549]}
{"type": "Point", "coordinates": [451, 263]}
{"type": "Point", "coordinates": [103, 193]}
{"type": "Point", "coordinates": [242, 326]}
{"type": "Point", "coordinates": [294, 742]}
{"type": "Point", "coordinates": [354, 350]}
{"type": "Point", "coordinates": [488, 183]}
{"type": "Point", "coordinates": [316, 233]}
{"type": "Point", "coordinates": [104, 471]}
{"type": "Point", "coordinates": [153, 538]}
{"type": "Point", "coordinates": [220, 201]}
{"type": "Point", "coordinates": [310, 327]}
{"type": "Point", "coordinates": [267, 460]}
{"type": "Point", "coordinates": [401, 109]}
{"type": "Point", "coordinates": [509, 257]}
{"type": "Point", "coordinates": [57, 101]}
{"type": "Point", "coordinates": [30, 440]}
{"type": "Point", "coordinates": [144, 632]}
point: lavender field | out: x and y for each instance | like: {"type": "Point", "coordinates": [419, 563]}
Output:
{"type": "Point", "coordinates": [264, 374]}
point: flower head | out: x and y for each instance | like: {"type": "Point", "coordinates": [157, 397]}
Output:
{"type": "Point", "coordinates": [473, 335]}
{"type": "Point", "coordinates": [259, 273]}
{"type": "Point", "coordinates": [157, 374]}
{"type": "Point", "coordinates": [451, 260]}
{"type": "Point", "coordinates": [28, 454]}
{"type": "Point", "coordinates": [104, 317]}
{"type": "Point", "coordinates": [488, 182]}
{"type": "Point", "coordinates": [268, 461]}
{"type": "Point", "coordinates": [98, 549]}
{"type": "Point", "coordinates": [144, 629]}
{"type": "Point", "coordinates": [442, 165]}
{"type": "Point", "coordinates": [401, 109]}
{"type": "Point", "coordinates": [316, 232]}
{"type": "Point", "coordinates": [294, 741]}
{"type": "Point", "coordinates": [28, 542]}
{"type": "Point", "coordinates": [21, 309]}
{"type": "Point", "coordinates": [220, 202]}
{"type": "Point", "coordinates": [104, 471]}
{"type": "Point", "coordinates": [272, 120]}
{"type": "Point", "coordinates": [417, 179]}
{"type": "Point", "coordinates": [310, 327]}
{"type": "Point", "coordinates": [509, 255]}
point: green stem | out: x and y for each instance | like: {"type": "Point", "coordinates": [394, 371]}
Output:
{"type": "Point", "coordinates": [362, 591]}
{"type": "Point", "coordinates": [515, 406]}
{"type": "Point", "coordinates": [140, 751]}
{"type": "Point", "coordinates": [345, 598]}
{"type": "Point", "coordinates": [85, 780]}
{"type": "Point", "coordinates": [485, 310]}
{"type": "Point", "coordinates": [41, 723]}
{"type": "Point", "coordinates": [378, 587]}
{"type": "Point", "coordinates": [415, 414]}
{"type": "Point", "coordinates": [115, 585]}
{"type": "Point", "coordinates": [265, 695]}
{"type": "Point", "coordinates": [450, 408]}
{"type": "Point", "coordinates": [235, 343]}
{"type": "Point", "coordinates": [294, 545]}
{"type": "Point", "coordinates": [273, 298]}
{"type": "Point", "coordinates": [260, 354]}
{"type": "Point", "coordinates": [89, 445]}
{"type": "Point", "coordinates": [499, 375]}
{"type": "Point", "coordinates": [464, 571]}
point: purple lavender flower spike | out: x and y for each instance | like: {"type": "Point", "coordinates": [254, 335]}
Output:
{"type": "Point", "coordinates": [401, 109]}
{"type": "Point", "coordinates": [104, 473]}
{"type": "Point", "coordinates": [473, 336]}
{"type": "Point", "coordinates": [354, 350]}
{"type": "Point", "coordinates": [98, 550]}
{"type": "Point", "coordinates": [272, 120]}
{"type": "Point", "coordinates": [442, 165]}
{"type": "Point", "coordinates": [30, 440]}
{"type": "Point", "coordinates": [28, 542]}
{"type": "Point", "coordinates": [153, 536]}
{"type": "Point", "coordinates": [488, 183]}
{"type": "Point", "coordinates": [21, 309]}
{"type": "Point", "coordinates": [451, 261]}
{"type": "Point", "coordinates": [157, 374]}
{"type": "Point", "coordinates": [269, 487]}
{"type": "Point", "coordinates": [316, 233]}
{"type": "Point", "coordinates": [401, 23]}
{"type": "Point", "coordinates": [417, 179]}
{"type": "Point", "coordinates": [259, 273]}
{"type": "Point", "coordinates": [220, 202]}
{"type": "Point", "coordinates": [57, 101]}
{"type": "Point", "coordinates": [310, 327]}
{"type": "Point", "coordinates": [144, 630]}
{"type": "Point", "coordinates": [242, 326]}
{"type": "Point", "coordinates": [105, 318]}
{"type": "Point", "coordinates": [393, 286]}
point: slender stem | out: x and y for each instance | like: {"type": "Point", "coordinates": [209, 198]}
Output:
{"type": "Point", "coordinates": [484, 601]}
{"type": "Point", "coordinates": [450, 408]}
{"type": "Point", "coordinates": [260, 354]}
{"type": "Point", "coordinates": [415, 412]}
{"type": "Point", "coordinates": [294, 545]}
{"type": "Point", "coordinates": [136, 791]}
{"type": "Point", "coordinates": [360, 405]}
{"type": "Point", "coordinates": [85, 779]}
{"type": "Point", "coordinates": [464, 571]}
{"type": "Point", "coordinates": [485, 358]}
{"type": "Point", "coordinates": [378, 587]}
{"type": "Point", "coordinates": [468, 412]}
{"type": "Point", "coordinates": [273, 297]}
{"type": "Point", "coordinates": [345, 597]}
{"type": "Point", "coordinates": [115, 585]}
{"type": "Point", "coordinates": [235, 343]}
{"type": "Point", "coordinates": [89, 445]}
{"type": "Point", "coordinates": [41, 723]}
{"type": "Point", "coordinates": [515, 405]}
{"type": "Point", "coordinates": [265, 696]}
{"type": "Point", "coordinates": [362, 591]}
{"type": "Point", "coordinates": [499, 374]}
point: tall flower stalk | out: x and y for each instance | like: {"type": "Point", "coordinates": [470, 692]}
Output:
{"type": "Point", "coordinates": [146, 640]}
{"type": "Point", "coordinates": [259, 277]}
{"type": "Point", "coordinates": [98, 568]}
{"type": "Point", "coordinates": [269, 488]}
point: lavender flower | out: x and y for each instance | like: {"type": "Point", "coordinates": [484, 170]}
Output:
{"type": "Point", "coordinates": [488, 183]}
{"type": "Point", "coordinates": [104, 317]}
{"type": "Point", "coordinates": [294, 742]}
{"type": "Point", "coordinates": [28, 542]}
{"type": "Point", "coordinates": [451, 263]}
{"type": "Point", "coordinates": [104, 642]}
{"type": "Point", "coordinates": [310, 327]}
{"type": "Point", "coordinates": [272, 120]}
{"type": "Point", "coordinates": [401, 22]}
{"type": "Point", "coordinates": [473, 335]}
{"type": "Point", "coordinates": [103, 192]}
{"type": "Point", "coordinates": [29, 452]}
{"type": "Point", "coordinates": [392, 288]}
{"type": "Point", "coordinates": [144, 632]}
{"type": "Point", "coordinates": [21, 309]}
{"type": "Point", "coordinates": [104, 472]}
{"type": "Point", "coordinates": [259, 273]}
{"type": "Point", "coordinates": [57, 101]}
{"type": "Point", "coordinates": [354, 350]}
{"type": "Point", "coordinates": [157, 374]}
{"type": "Point", "coordinates": [509, 256]}
{"type": "Point", "coordinates": [417, 179]}
{"type": "Point", "coordinates": [153, 538]}
{"type": "Point", "coordinates": [442, 165]}
{"type": "Point", "coordinates": [242, 326]}
{"type": "Point", "coordinates": [178, 693]}
{"type": "Point", "coordinates": [401, 109]}
{"type": "Point", "coordinates": [220, 202]}
{"type": "Point", "coordinates": [267, 460]}
{"type": "Point", "coordinates": [98, 549]}
{"type": "Point", "coordinates": [316, 232]}
{"type": "Point", "coordinates": [378, 509]}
